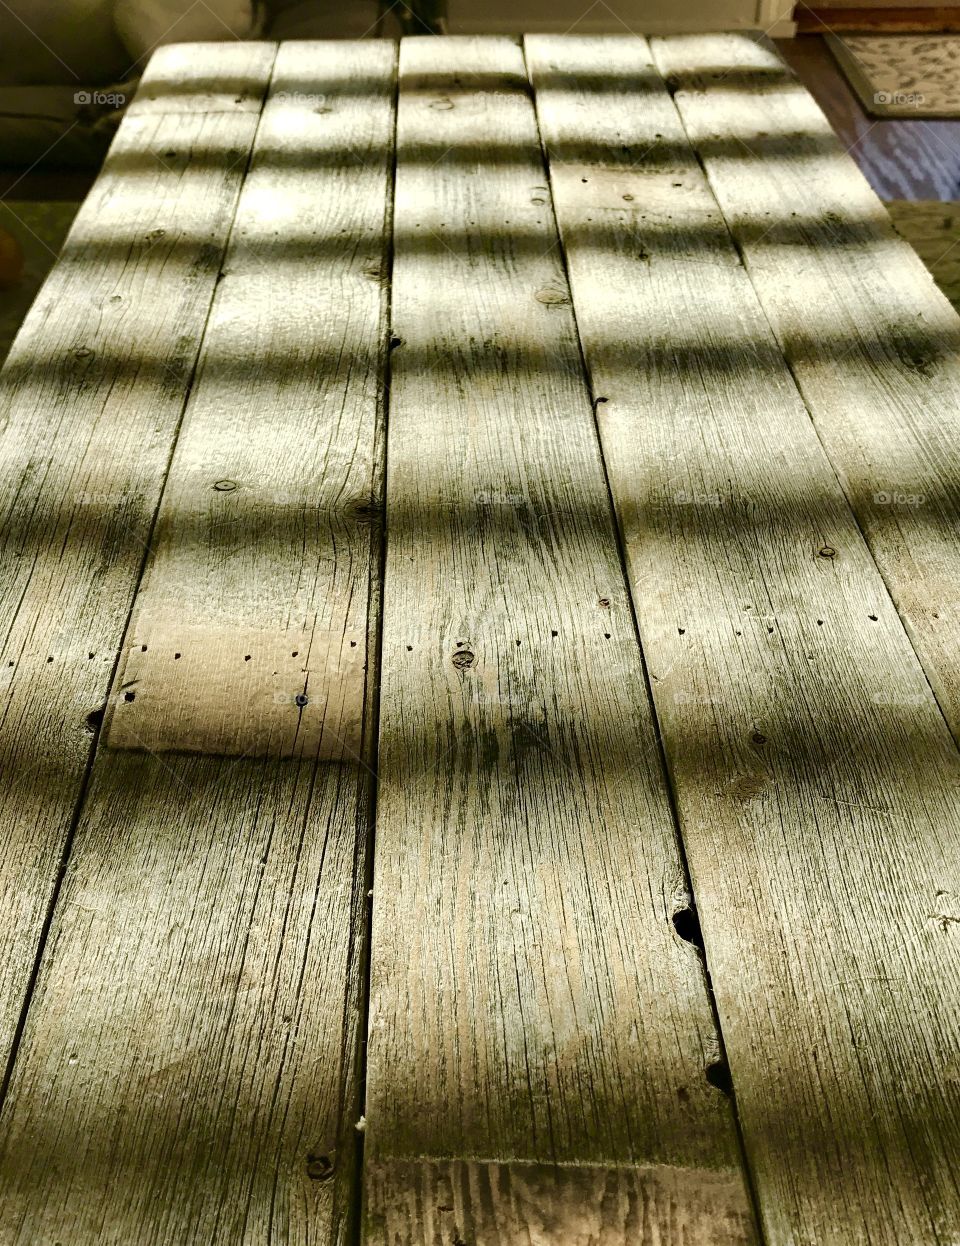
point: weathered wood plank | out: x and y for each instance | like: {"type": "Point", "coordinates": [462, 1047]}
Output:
{"type": "Point", "coordinates": [530, 999]}
{"type": "Point", "coordinates": [92, 393]}
{"type": "Point", "coordinates": [199, 77]}
{"type": "Point", "coordinates": [188, 1069]}
{"type": "Point", "coordinates": [508, 1204]}
{"type": "Point", "coordinates": [815, 779]}
{"type": "Point", "coordinates": [873, 344]}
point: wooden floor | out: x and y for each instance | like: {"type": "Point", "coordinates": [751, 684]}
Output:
{"type": "Point", "coordinates": [901, 159]}
{"type": "Point", "coordinates": [481, 600]}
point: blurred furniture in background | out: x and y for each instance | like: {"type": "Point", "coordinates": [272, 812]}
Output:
{"type": "Point", "coordinates": [69, 67]}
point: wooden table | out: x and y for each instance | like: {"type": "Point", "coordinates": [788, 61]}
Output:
{"type": "Point", "coordinates": [445, 531]}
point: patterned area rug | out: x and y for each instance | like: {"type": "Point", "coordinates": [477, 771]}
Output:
{"type": "Point", "coordinates": [902, 75]}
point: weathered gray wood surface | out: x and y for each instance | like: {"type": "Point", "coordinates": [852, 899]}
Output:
{"type": "Point", "coordinates": [530, 999]}
{"type": "Point", "coordinates": [874, 345]}
{"type": "Point", "coordinates": [188, 1071]}
{"type": "Point", "coordinates": [190, 77]}
{"type": "Point", "coordinates": [815, 779]}
{"type": "Point", "coordinates": [539, 1034]}
{"type": "Point", "coordinates": [486, 1203]}
{"type": "Point", "coordinates": [92, 393]}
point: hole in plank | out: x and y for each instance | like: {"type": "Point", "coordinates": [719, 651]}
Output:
{"type": "Point", "coordinates": [718, 1075]}
{"type": "Point", "coordinates": [687, 925]}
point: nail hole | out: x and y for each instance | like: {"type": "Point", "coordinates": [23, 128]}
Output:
{"type": "Point", "coordinates": [687, 925]}
{"type": "Point", "coordinates": [718, 1075]}
{"type": "Point", "coordinates": [129, 696]}
{"type": "Point", "coordinates": [319, 1167]}
{"type": "Point", "coordinates": [301, 699]}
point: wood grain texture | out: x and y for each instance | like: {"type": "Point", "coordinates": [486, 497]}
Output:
{"type": "Point", "coordinates": [872, 342]}
{"type": "Point", "coordinates": [188, 78]}
{"type": "Point", "coordinates": [92, 393]}
{"type": "Point", "coordinates": [815, 779]}
{"type": "Point", "coordinates": [439, 1202]}
{"type": "Point", "coordinates": [219, 688]}
{"type": "Point", "coordinates": [933, 230]}
{"type": "Point", "coordinates": [188, 1069]}
{"type": "Point", "coordinates": [530, 999]}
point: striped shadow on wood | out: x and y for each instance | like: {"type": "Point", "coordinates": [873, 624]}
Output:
{"type": "Point", "coordinates": [90, 399]}
{"type": "Point", "coordinates": [814, 776]}
{"type": "Point", "coordinates": [539, 1035]}
{"type": "Point", "coordinates": [189, 1067]}
{"type": "Point", "coordinates": [873, 344]}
